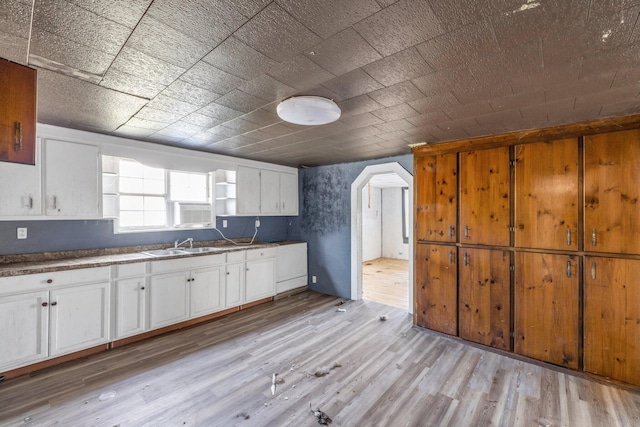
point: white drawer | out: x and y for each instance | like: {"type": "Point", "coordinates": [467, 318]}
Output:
{"type": "Point", "coordinates": [131, 270]}
{"type": "Point", "coordinates": [186, 263]}
{"type": "Point", "coordinates": [235, 256]}
{"type": "Point", "coordinates": [55, 279]}
{"type": "Point", "coordinates": [261, 253]}
{"type": "Point", "coordinates": [89, 275]}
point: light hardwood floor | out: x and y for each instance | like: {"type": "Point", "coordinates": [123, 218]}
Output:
{"type": "Point", "coordinates": [386, 281]}
{"type": "Point", "coordinates": [218, 373]}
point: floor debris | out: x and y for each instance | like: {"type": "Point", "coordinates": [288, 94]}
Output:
{"type": "Point", "coordinates": [383, 317]}
{"type": "Point", "coordinates": [340, 303]}
{"type": "Point", "coordinates": [342, 310]}
{"type": "Point", "coordinates": [244, 415]}
{"type": "Point", "coordinates": [325, 370]}
{"type": "Point", "coordinates": [321, 416]}
{"type": "Point", "coordinates": [275, 381]}
{"type": "Point", "coordinates": [107, 395]}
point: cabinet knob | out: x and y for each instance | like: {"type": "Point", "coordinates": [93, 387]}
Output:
{"type": "Point", "coordinates": [17, 145]}
{"type": "Point", "coordinates": [44, 304]}
{"type": "Point", "coordinates": [54, 303]}
{"type": "Point", "coordinates": [568, 236]}
{"type": "Point", "coordinates": [594, 237]}
{"type": "Point", "coordinates": [49, 280]}
{"type": "Point", "coordinates": [466, 231]}
{"type": "Point", "coordinates": [142, 288]}
{"type": "Point", "coordinates": [228, 273]}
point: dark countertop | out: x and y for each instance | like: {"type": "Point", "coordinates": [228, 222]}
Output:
{"type": "Point", "coordinates": [45, 262]}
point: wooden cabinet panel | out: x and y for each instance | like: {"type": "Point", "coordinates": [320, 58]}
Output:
{"type": "Point", "coordinates": [436, 288]}
{"type": "Point", "coordinates": [484, 197]}
{"type": "Point", "coordinates": [436, 198]}
{"type": "Point", "coordinates": [612, 192]}
{"type": "Point", "coordinates": [612, 318]}
{"type": "Point", "coordinates": [17, 113]}
{"type": "Point", "coordinates": [547, 195]}
{"type": "Point", "coordinates": [546, 308]}
{"type": "Point", "coordinates": [484, 297]}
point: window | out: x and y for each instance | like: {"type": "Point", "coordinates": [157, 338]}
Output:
{"type": "Point", "coordinates": [146, 198]}
{"type": "Point", "coordinates": [405, 215]}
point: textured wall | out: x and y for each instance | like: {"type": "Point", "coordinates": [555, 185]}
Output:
{"type": "Point", "coordinates": [371, 223]}
{"type": "Point", "coordinates": [392, 243]}
{"type": "Point", "coordinates": [61, 235]}
{"type": "Point", "coordinates": [325, 223]}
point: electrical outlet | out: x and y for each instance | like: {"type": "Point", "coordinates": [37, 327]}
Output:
{"type": "Point", "coordinates": [224, 223]}
{"type": "Point", "coordinates": [22, 233]}
{"type": "Point", "coordinates": [257, 223]}
{"type": "Point", "coordinates": [313, 279]}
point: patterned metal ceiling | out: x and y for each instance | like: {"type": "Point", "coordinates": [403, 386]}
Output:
{"type": "Point", "coordinates": [208, 75]}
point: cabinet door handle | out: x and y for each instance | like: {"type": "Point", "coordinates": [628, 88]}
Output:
{"type": "Point", "coordinates": [44, 304]}
{"type": "Point", "coordinates": [54, 202]}
{"type": "Point", "coordinates": [142, 288]}
{"type": "Point", "coordinates": [568, 236]}
{"type": "Point", "coordinates": [450, 257]}
{"type": "Point", "coordinates": [451, 231]}
{"type": "Point", "coordinates": [594, 237]}
{"type": "Point", "coordinates": [466, 231]}
{"type": "Point", "coordinates": [49, 281]}
{"type": "Point", "coordinates": [17, 145]}
{"type": "Point", "coordinates": [54, 303]}
{"type": "Point", "coordinates": [466, 259]}
{"type": "Point", "coordinates": [568, 268]}
{"type": "Point", "coordinates": [593, 271]}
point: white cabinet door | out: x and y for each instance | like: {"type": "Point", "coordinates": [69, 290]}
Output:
{"type": "Point", "coordinates": [291, 261]}
{"type": "Point", "coordinates": [20, 192]}
{"type": "Point", "coordinates": [169, 301]}
{"type": "Point", "coordinates": [130, 307]}
{"type": "Point", "coordinates": [248, 191]}
{"type": "Point", "coordinates": [79, 317]}
{"type": "Point", "coordinates": [23, 329]}
{"type": "Point", "coordinates": [207, 291]}
{"type": "Point", "coordinates": [288, 193]}
{"type": "Point", "coordinates": [234, 284]}
{"type": "Point", "coordinates": [260, 279]}
{"type": "Point", "coordinates": [269, 192]}
{"type": "Point", "coordinates": [71, 179]}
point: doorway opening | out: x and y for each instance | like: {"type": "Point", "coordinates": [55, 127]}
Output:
{"type": "Point", "coordinates": [382, 236]}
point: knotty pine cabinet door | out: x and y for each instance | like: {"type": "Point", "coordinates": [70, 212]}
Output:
{"type": "Point", "coordinates": [436, 288]}
{"type": "Point", "coordinates": [612, 318]}
{"type": "Point", "coordinates": [546, 308]}
{"type": "Point", "coordinates": [546, 195]}
{"type": "Point", "coordinates": [612, 192]}
{"type": "Point", "coordinates": [484, 297]}
{"type": "Point", "coordinates": [484, 197]}
{"type": "Point", "coordinates": [436, 197]}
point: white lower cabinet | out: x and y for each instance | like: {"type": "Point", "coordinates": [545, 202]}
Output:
{"type": "Point", "coordinates": [24, 329]}
{"type": "Point", "coordinates": [207, 291]}
{"type": "Point", "coordinates": [291, 267]}
{"type": "Point", "coordinates": [234, 280]}
{"type": "Point", "coordinates": [79, 318]}
{"type": "Point", "coordinates": [169, 301]}
{"type": "Point", "coordinates": [131, 307]}
{"type": "Point", "coordinates": [260, 274]}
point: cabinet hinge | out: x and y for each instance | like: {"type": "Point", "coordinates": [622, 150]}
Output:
{"type": "Point", "coordinates": [512, 267]}
{"type": "Point", "coordinates": [513, 162]}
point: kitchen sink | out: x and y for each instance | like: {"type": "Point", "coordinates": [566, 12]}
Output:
{"type": "Point", "coordinates": [203, 249]}
{"type": "Point", "coordinates": [165, 252]}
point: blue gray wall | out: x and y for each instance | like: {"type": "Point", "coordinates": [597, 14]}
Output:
{"type": "Point", "coordinates": [325, 221]}
{"type": "Point", "coordinates": [60, 235]}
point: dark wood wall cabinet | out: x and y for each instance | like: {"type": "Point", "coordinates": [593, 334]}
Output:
{"type": "Point", "coordinates": [17, 113]}
{"type": "Point", "coordinates": [530, 243]}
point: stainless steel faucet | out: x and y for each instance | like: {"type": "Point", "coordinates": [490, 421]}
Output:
{"type": "Point", "coordinates": [176, 245]}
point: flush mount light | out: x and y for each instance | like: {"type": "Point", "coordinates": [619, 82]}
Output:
{"type": "Point", "coordinates": [308, 110]}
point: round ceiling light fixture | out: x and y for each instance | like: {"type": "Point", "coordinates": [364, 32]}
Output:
{"type": "Point", "coordinates": [308, 110]}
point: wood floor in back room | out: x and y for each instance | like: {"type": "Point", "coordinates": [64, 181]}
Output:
{"type": "Point", "coordinates": [391, 374]}
{"type": "Point", "coordinates": [386, 281]}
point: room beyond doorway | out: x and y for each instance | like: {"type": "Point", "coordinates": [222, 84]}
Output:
{"type": "Point", "coordinates": [386, 281]}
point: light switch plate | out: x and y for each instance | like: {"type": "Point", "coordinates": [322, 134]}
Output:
{"type": "Point", "coordinates": [224, 223]}
{"type": "Point", "coordinates": [22, 233]}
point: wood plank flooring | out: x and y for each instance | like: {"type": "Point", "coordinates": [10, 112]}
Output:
{"type": "Point", "coordinates": [220, 374]}
{"type": "Point", "coordinates": [386, 281]}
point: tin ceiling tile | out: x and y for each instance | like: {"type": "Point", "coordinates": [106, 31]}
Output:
{"type": "Point", "coordinates": [328, 17]}
{"type": "Point", "coordinates": [262, 117]}
{"type": "Point", "coordinates": [74, 23]}
{"type": "Point", "coordinates": [136, 63]}
{"type": "Point", "coordinates": [201, 120]}
{"type": "Point", "coordinates": [155, 115]}
{"type": "Point", "coordinates": [443, 82]}
{"type": "Point", "coordinates": [361, 120]}
{"type": "Point", "coordinates": [397, 112]}
{"type": "Point", "coordinates": [15, 18]}
{"type": "Point", "coordinates": [209, 77]}
{"type": "Point", "coordinates": [300, 73]}
{"type": "Point", "coordinates": [461, 45]}
{"type": "Point", "coordinates": [582, 87]}
{"type": "Point", "coordinates": [267, 88]}
{"type": "Point", "coordinates": [163, 42]}
{"type": "Point", "coordinates": [542, 111]}
{"type": "Point", "coordinates": [240, 101]}
{"type": "Point", "coordinates": [468, 110]}
{"type": "Point", "coordinates": [278, 129]}
{"type": "Point", "coordinates": [14, 48]}
{"type": "Point", "coordinates": [397, 94]}
{"type": "Point", "coordinates": [205, 21]}
{"type": "Point", "coordinates": [124, 12]}
{"type": "Point", "coordinates": [179, 130]}
{"type": "Point", "coordinates": [343, 52]}
{"type": "Point", "coordinates": [172, 105]}
{"type": "Point", "coordinates": [352, 84]}
{"type": "Point", "coordinates": [358, 105]}
{"type": "Point", "coordinates": [394, 125]}
{"type": "Point", "coordinates": [64, 99]}
{"type": "Point", "coordinates": [137, 122]}
{"type": "Point", "coordinates": [235, 57]}
{"type": "Point", "coordinates": [241, 125]}
{"type": "Point", "coordinates": [434, 103]}
{"type": "Point", "coordinates": [499, 118]}
{"type": "Point", "coordinates": [400, 26]}
{"type": "Point", "coordinates": [130, 131]}
{"type": "Point", "coordinates": [517, 101]}
{"type": "Point", "coordinates": [399, 67]}
{"type": "Point", "coordinates": [195, 95]}
{"type": "Point", "coordinates": [428, 119]}
{"type": "Point", "coordinates": [277, 34]}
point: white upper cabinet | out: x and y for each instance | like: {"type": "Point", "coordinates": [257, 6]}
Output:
{"type": "Point", "coordinates": [71, 173]}
{"type": "Point", "coordinates": [20, 193]}
{"type": "Point", "coordinates": [266, 192]}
